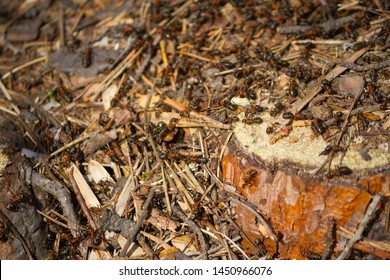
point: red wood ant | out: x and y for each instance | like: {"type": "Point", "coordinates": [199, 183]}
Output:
{"type": "Point", "coordinates": [250, 177]}
{"type": "Point", "coordinates": [16, 201]}
{"type": "Point", "coordinates": [87, 58]}
{"type": "Point", "coordinates": [255, 120]}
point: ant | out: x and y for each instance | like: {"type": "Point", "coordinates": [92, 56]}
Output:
{"type": "Point", "coordinates": [318, 126]}
{"type": "Point", "coordinates": [250, 177]}
{"type": "Point", "coordinates": [161, 130]}
{"type": "Point", "coordinates": [16, 201]}
{"type": "Point", "coordinates": [328, 149]}
{"type": "Point", "coordinates": [63, 93]}
{"type": "Point", "coordinates": [197, 208]}
{"type": "Point", "coordinates": [252, 110]}
{"type": "Point", "coordinates": [272, 128]}
{"type": "Point", "coordinates": [170, 155]}
{"type": "Point", "coordinates": [244, 72]}
{"type": "Point", "coordinates": [172, 123]}
{"type": "Point", "coordinates": [340, 171]}
{"type": "Point", "coordinates": [292, 88]}
{"type": "Point", "coordinates": [338, 118]}
{"type": "Point", "coordinates": [115, 158]}
{"type": "Point", "coordinates": [255, 120]}
{"type": "Point", "coordinates": [194, 105]}
{"type": "Point", "coordinates": [104, 119]}
{"type": "Point", "coordinates": [278, 107]}
{"type": "Point", "coordinates": [247, 94]}
{"type": "Point", "coordinates": [372, 90]}
{"type": "Point", "coordinates": [185, 113]}
{"type": "Point", "coordinates": [360, 45]}
{"type": "Point", "coordinates": [8, 151]}
{"type": "Point", "coordinates": [197, 159]}
{"type": "Point", "coordinates": [227, 64]}
{"type": "Point", "coordinates": [3, 232]}
{"type": "Point", "coordinates": [326, 85]}
{"type": "Point", "coordinates": [228, 104]}
{"type": "Point", "coordinates": [290, 116]}
{"type": "Point", "coordinates": [248, 81]}
{"type": "Point", "coordinates": [87, 58]}
{"type": "Point", "coordinates": [231, 119]}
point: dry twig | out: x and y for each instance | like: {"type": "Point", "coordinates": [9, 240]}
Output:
{"type": "Point", "coordinates": [372, 207]}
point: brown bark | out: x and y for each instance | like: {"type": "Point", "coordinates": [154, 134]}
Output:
{"type": "Point", "coordinates": [299, 207]}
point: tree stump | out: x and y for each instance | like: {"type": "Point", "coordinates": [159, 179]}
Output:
{"type": "Point", "coordinates": [308, 212]}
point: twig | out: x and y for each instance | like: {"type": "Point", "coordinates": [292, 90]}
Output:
{"type": "Point", "coordinates": [233, 243]}
{"type": "Point", "coordinates": [70, 144]}
{"type": "Point", "coordinates": [9, 98]}
{"type": "Point", "coordinates": [218, 248]}
{"type": "Point", "coordinates": [198, 57]}
{"type": "Point", "coordinates": [129, 44]}
{"type": "Point", "coordinates": [158, 241]}
{"type": "Point", "coordinates": [189, 200]}
{"type": "Point", "coordinates": [362, 226]}
{"type": "Point", "coordinates": [341, 133]}
{"type": "Point", "coordinates": [373, 247]}
{"type": "Point", "coordinates": [165, 186]}
{"type": "Point", "coordinates": [203, 244]}
{"type": "Point", "coordinates": [62, 195]}
{"type": "Point", "coordinates": [54, 220]}
{"type": "Point", "coordinates": [61, 24]}
{"type": "Point", "coordinates": [145, 246]}
{"type": "Point", "coordinates": [130, 185]}
{"type": "Point", "coordinates": [27, 64]}
{"type": "Point", "coordinates": [326, 26]}
{"type": "Point", "coordinates": [139, 223]}
{"type": "Point", "coordinates": [221, 154]}
{"type": "Point", "coordinates": [231, 71]}
{"type": "Point", "coordinates": [186, 178]}
{"type": "Point", "coordinates": [127, 61]}
{"type": "Point", "coordinates": [176, 14]}
{"type": "Point", "coordinates": [387, 223]}
{"type": "Point", "coordinates": [77, 22]}
{"type": "Point", "coordinates": [258, 216]}
{"type": "Point", "coordinates": [17, 234]}
{"type": "Point", "coordinates": [8, 111]}
{"type": "Point", "coordinates": [360, 68]}
{"type": "Point", "coordinates": [330, 239]}
{"type": "Point", "coordinates": [242, 233]}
